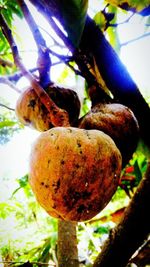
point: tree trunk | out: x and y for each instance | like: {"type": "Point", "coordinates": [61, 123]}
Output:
{"type": "Point", "coordinates": [67, 244]}
{"type": "Point", "coordinates": [130, 233]}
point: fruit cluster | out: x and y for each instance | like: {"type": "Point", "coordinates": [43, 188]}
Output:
{"type": "Point", "coordinates": [74, 171]}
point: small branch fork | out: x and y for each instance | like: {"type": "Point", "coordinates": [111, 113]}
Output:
{"type": "Point", "coordinates": [80, 59]}
{"type": "Point", "coordinates": [58, 116]}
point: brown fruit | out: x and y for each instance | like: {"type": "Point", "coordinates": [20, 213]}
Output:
{"type": "Point", "coordinates": [74, 172]}
{"type": "Point", "coordinates": [30, 111]}
{"type": "Point", "coordinates": [119, 122]}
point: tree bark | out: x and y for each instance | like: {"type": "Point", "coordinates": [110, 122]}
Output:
{"type": "Point", "coordinates": [67, 244]}
{"type": "Point", "coordinates": [132, 230]}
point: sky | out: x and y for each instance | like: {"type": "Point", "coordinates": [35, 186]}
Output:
{"type": "Point", "coordinates": [14, 156]}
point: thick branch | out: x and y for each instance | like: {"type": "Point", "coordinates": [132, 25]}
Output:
{"type": "Point", "coordinates": [50, 9]}
{"type": "Point", "coordinates": [112, 70]}
{"type": "Point", "coordinates": [67, 244]}
{"type": "Point", "coordinates": [58, 116]}
{"type": "Point", "coordinates": [115, 75]}
{"type": "Point", "coordinates": [130, 233]}
{"type": "Point", "coordinates": [44, 61]}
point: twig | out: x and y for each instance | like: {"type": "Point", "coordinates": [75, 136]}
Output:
{"type": "Point", "coordinates": [5, 80]}
{"type": "Point", "coordinates": [58, 116]}
{"type": "Point", "coordinates": [61, 57]}
{"type": "Point", "coordinates": [54, 40]}
{"type": "Point", "coordinates": [44, 61]}
{"type": "Point", "coordinates": [15, 77]}
{"type": "Point", "coordinates": [6, 63]}
{"type": "Point", "coordinates": [123, 22]}
{"type": "Point", "coordinates": [4, 106]}
{"type": "Point", "coordinates": [135, 39]}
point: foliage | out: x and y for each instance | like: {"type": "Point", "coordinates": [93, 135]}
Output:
{"type": "Point", "coordinates": [8, 126]}
{"type": "Point", "coordinates": [135, 5]}
{"type": "Point", "coordinates": [9, 8]}
{"type": "Point", "coordinates": [74, 16]}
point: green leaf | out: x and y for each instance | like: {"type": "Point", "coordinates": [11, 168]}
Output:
{"type": "Point", "coordinates": [23, 181]}
{"type": "Point", "coordinates": [100, 20]}
{"type": "Point", "coordinates": [5, 210]}
{"type": "Point", "coordinates": [7, 123]}
{"type": "Point", "coordinates": [15, 9]}
{"type": "Point", "coordinates": [137, 172]}
{"type": "Point", "coordinates": [73, 16]}
{"type": "Point", "coordinates": [133, 5]}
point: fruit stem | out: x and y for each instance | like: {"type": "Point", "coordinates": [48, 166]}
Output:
{"type": "Point", "coordinates": [67, 244]}
{"type": "Point", "coordinates": [59, 117]}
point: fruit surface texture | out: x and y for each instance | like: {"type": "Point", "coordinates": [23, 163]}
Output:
{"type": "Point", "coordinates": [31, 112]}
{"type": "Point", "coordinates": [119, 122]}
{"type": "Point", "coordinates": [74, 172]}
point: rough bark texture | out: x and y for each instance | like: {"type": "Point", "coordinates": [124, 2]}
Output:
{"type": "Point", "coordinates": [67, 244]}
{"type": "Point", "coordinates": [130, 233]}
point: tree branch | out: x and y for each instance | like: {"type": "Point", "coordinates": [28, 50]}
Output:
{"type": "Point", "coordinates": [44, 61]}
{"type": "Point", "coordinates": [4, 106]}
{"type": "Point", "coordinates": [136, 39]}
{"type": "Point", "coordinates": [115, 75]}
{"type": "Point", "coordinates": [58, 116]}
{"type": "Point", "coordinates": [132, 230]}
{"type": "Point", "coordinates": [6, 63]}
{"type": "Point", "coordinates": [16, 76]}
{"type": "Point", "coordinates": [52, 8]}
{"type": "Point", "coordinates": [6, 80]}
{"type": "Point", "coordinates": [67, 244]}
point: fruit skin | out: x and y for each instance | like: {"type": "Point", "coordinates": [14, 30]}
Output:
{"type": "Point", "coordinates": [119, 122]}
{"type": "Point", "coordinates": [74, 172]}
{"type": "Point", "coordinates": [30, 111]}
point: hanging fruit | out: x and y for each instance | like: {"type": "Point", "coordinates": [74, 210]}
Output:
{"type": "Point", "coordinates": [119, 122]}
{"type": "Point", "coordinates": [30, 111]}
{"type": "Point", "coordinates": [74, 172]}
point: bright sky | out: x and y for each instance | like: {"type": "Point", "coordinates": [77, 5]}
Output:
{"type": "Point", "coordinates": [136, 56]}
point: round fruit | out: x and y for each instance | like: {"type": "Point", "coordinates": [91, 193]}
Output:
{"type": "Point", "coordinates": [74, 172]}
{"type": "Point", "coordinates": [119, 122]}
{"type": "Point", "coordinates": [30, 111]}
